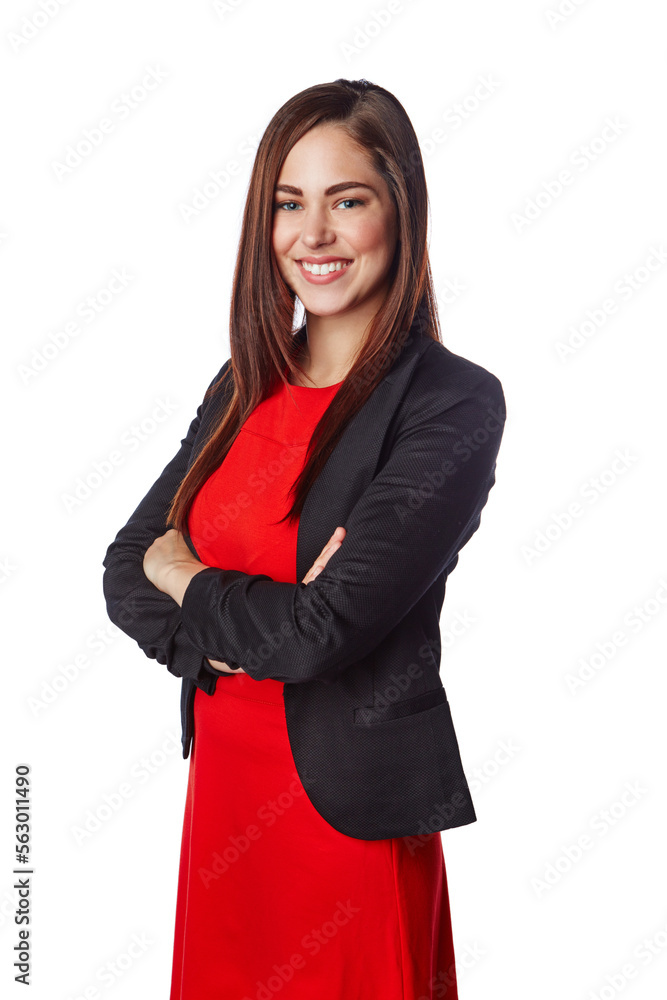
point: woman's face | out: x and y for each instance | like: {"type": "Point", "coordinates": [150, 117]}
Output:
{"type": "Point", "coordinates": [356, 222]}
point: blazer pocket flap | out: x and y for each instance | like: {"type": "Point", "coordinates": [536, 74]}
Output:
{"type": "Point", "coordinates": [398, 709]}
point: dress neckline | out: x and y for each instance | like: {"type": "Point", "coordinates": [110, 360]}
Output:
{"type": "Point", "coordinates": [310, 388]}
{"type": "Point", "coordinates": [333, 385]}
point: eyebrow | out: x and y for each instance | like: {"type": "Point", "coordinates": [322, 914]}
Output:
{"type": "Point", "coordinates": [334, 189]}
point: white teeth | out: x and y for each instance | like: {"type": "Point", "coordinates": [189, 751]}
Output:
{"type": "Point", "coordinates": [335, 265]}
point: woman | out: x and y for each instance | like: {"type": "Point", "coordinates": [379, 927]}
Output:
{"type": "Point", "coordinates": [317, 504]}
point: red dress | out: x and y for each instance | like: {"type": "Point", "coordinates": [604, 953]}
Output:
{"type": "Point", "coordinates": [272, 900]}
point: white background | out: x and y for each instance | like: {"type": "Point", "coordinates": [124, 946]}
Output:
{"type": "Point", "coordinates": [528, 921]}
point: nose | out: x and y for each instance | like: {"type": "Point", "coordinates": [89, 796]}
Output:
{"type": "Point", "coordinates": [316, 228]}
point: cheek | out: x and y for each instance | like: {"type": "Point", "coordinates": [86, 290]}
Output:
{"type": "Point", "coordinates": [371, 236]}
{"type": "Point", "coordinates": [278, 241]}
{"type": "Point", "coordinates": [283, 234]}
{"type": "Point", "coordinates": [281, 247]}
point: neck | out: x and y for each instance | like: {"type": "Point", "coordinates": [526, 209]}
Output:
{"type": "Point", "coordinates": [331, 343]}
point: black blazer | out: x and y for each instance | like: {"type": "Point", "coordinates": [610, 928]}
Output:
{"type": "Point", "coordinates": [358, 648]}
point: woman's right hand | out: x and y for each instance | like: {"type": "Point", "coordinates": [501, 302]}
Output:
{"type": "Point", "coordinates": [332, 545]}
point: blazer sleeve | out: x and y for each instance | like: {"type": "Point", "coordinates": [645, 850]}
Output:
{"type": "Point", "coordinates": [149, 616]}
{"type": "Point", "coordinates": [409, 524]}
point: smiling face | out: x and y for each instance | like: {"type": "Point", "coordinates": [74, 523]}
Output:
{"type": "Point", "coordinates": [332, 206]}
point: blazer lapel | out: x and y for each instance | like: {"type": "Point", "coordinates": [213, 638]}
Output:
{"type": "Point", "coordinates": [352, 463]}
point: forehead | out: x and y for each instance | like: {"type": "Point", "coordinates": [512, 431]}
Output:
{"type": "Point", "coordinates": [328, 149]}
{"type": "Point", "coordinates": [326, 161]}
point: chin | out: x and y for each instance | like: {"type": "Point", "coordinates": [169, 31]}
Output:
{"type": "Point", "coordinates": [319, 309]}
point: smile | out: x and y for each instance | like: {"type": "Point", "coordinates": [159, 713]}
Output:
{"type": "Point", "coordinates": [320, 274]}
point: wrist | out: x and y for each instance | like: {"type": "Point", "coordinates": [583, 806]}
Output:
{"type": "Point", "coordinates": [178, 576]}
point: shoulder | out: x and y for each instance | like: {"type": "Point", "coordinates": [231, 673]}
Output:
{"type": "Point", "coordinates": [441, 379]}
{"type": "Point", "coordinates": [221, 371]}
{"type": "Point", "coordinates": [220, 387]}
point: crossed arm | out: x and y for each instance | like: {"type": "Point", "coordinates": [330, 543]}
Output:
{"type": "Point", "coordinates": [143, 601]}
{"type": "Point", "coordinates": [169, 564]}
{"type": "Point", "coordinates": [405, 530]}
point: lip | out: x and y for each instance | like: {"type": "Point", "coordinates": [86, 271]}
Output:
{"type": "Point", "coordinates": [322, 260]}
{"type": "Point", "coordinates": [323, 279]}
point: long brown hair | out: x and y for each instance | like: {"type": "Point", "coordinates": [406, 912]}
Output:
{"type": "Point", "coordinates": [261, 327]}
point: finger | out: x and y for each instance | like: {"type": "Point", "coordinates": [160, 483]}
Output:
{"type": "Point", "coordinates": [324, 557]}
{"type": "Point", "coordinates": [319, 564]}
{"type": "Point", "coordinates": [333, 543]}
{"type": "Point", "coordinates": [334, 537]}
{"type": "Point", "coordinates": [224, 668]}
